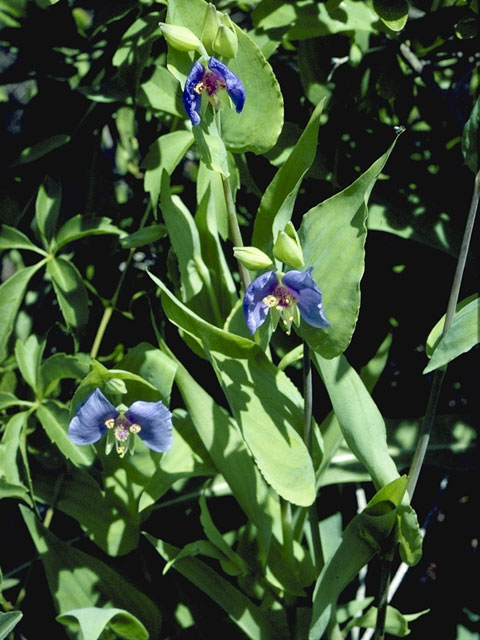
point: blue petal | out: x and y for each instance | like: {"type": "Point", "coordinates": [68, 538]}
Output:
{"type": "Point", "coordinates": [88, 425]}
{"type": "Point", "coordinates": [235, 88]}
{"type": "Point", "coordinates": [254, 308]}
{"type": "Point", "coordinates": [191, 99]}
{"type": "Point", "coordinates": [309, 297]}
{"type": "Point", "coordinates": [155, 421]}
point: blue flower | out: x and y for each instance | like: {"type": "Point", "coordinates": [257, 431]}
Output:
{"type": "Point", "coordinates": [151, 421]}
{"type": "Point", "coordinates": [216, 78]}
{"type": "Point", "coordinates": [295, 289]}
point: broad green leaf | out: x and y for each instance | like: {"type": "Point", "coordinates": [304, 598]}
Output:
{"type": "Point", "coordinates": [11, 480]}
{"type": "Point", "coordinates": [210, 192]}
{"type": "Point", "coordinates": [183, 233]}
{"type": "Point", "coordinates": [81, 226]}
{"type": "Point", "coordinates": [91, 621]}
{"type": "Point", "coordinates": [164, 155]}
{"type": "Point", "coordinates": [461, 337]}
{"type": "Point", "coordinates": [11, 238]}
{"type": "Point", "coordinates": [152, 365]}
{"type": "Point", "coordinates": [210, 145]}
{"type": "Point", "coordinates": [8, 399]}
{"type": "Point", "coordinates": [187, 458]}
{"type": "Point", "coordinates": [222, 439]}
{"type": "Point", "coordinates": [109, 520]}
{"type": "Point", "coordinates": [396, 623]}
{"type": "Point", "coordinates": [143, 236]}
{"type": "Point", "coordinates": [47, 207]}
{"type": "Point", "coordinates": [470, 135]}
{"type": "Point", "coordinates": [36, 151]}
{"type": "Point", "coordinates": [361, 540]}
{"type": "Point", "coordinates": [393, 13]}
{"type": "Point", "coordinates": [161, 92]}
{"type": "Point", "coordinates": [360, 420]}
{"type": "Point", "coordinates": [11, 296]}
{"type": "Point", "coordinates": [8, 621]}
{"type": "Point", "coordinates": [70, 291]}
{"type": "Point", "coordinates": [258, 393]}
{"type": "Point", "coordinates": [258, 126]}
{"type": "Point", "coordinates": [255, 622]}
{"type": "Point", "coordinates": [77, 580]}
{"type": "Point", "coordinates": [277, 203]}
{"type": "Point", "coordinates": [61, 366]}
{"type": "Point", "coordinates": [334, 233]}
{"type": "Point", "coordinates": [28, 355]}
{"type": "Point", "coordinates": [54, 419]}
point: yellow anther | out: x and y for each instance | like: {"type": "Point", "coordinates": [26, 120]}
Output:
{"type": "Point", "coordinates": [270, 301]}
{"type": "Point", "coordinates": [135, 428]}
{"type": "Point", "coordinates": [110, 423]}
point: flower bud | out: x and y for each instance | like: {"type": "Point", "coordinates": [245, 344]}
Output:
{"type": "Point", "coordinates": [252, 258]}
{"type": "Point", "coordinates": [181, 38]}
{"type": "Point", "coordinates": [287, 247]}
{"type": "Point", "coordinates": [226, 41]}
{"type": "Point", "coordinates": [211, 23]}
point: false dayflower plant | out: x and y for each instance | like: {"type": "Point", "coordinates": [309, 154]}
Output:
{"type": "Point", "coordinates": [97, 416]}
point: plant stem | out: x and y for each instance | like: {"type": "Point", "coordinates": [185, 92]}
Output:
{"type": "Point", "coordinates": [307, 437]}
{"type": "Point", "coordinates": [109, 309]}
{"type": "Point", "coordinates": [235, 229]}
{"type": "Point", "coordinates": [429, 419]}
{"type": "Point", "coordinates": [439, 374]}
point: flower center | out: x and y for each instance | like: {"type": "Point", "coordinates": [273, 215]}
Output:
{"type": "Point", "coordinates": [211, 83]}
{"type": "Point", "coordinates": [281, 298]}
{"type": "Point", "coordinates": [122, 430]}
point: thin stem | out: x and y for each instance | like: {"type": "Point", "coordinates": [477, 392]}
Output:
{"type": "Point", "coordinates": [439, 374]}
{"type": "Point", "coordinates": [385, 577]}
{"type": "Point", "coordinates": [109, 309]}
{"type": "Point", "coordinates": [234, 229]}
{"type": "Point", "coordinates": [307, 437]}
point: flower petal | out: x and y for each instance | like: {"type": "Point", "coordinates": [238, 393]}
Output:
{"type": "Point", "coordinates": [254, 308]}
{"type": "Point", "coordinates": [155, 421]}
{"type": "Point", "coordinates": [235, 88]}
{"type": "Point", "coordinates": [88, 425]}
{"type": "Point", "coordinates": [191, 99]}
{"type": "Point", "coordinates": [309, 297]}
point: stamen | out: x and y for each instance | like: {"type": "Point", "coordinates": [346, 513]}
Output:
{"type": "Point", "coordinates": [135, 428]}
{"type": "Point", "coordinates": [110, 423]}
{"type": "Point", "coordinates": [121, 434]}
{"type": "Point", "coordinates": [271, 301]}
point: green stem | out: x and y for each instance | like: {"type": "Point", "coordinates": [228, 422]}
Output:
{"type": "Point", "coordinates": [307, 437]}
{"type": "Point", "coordinates": [109, 309]}
{"type": "Point", "coordinates": [235, 229]}
{"type": "Point", "coordinates": [385, 578]}
{"type": "Point", "coordinates": [439, 374]}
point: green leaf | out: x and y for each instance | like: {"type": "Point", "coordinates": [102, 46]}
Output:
{"type": "Point", "coordinates": [265, 396]}
{"type": "Point", "coordinates": [36, 151]}
{"type": "Point", "coordinates": [146, 235]}
{"type": "Point", "coordinates": [258, 126]}
{"type": "Point", "coordinates": [8, 399]}
{"type": "Point", "coordinates": [70, 291]}
{"type": "Point", "coordinates": [11, 238]}
{"type": "Point", "coordinates": [47, 207]}
{"type": "Point", "coordinates": [11, 481]}
{"type": "Point", "coordinates": [164, 155]}
{"type": "Point", "coordinates": [80, 226]}
{"type": "Point", "coordinates": [29, 354]}
{"type": "Point", "coordinates": [109, 520]}
{"type": "Point", "coordinates": [77, 580]}
{"type": "Point", "coordinates": [61, 366]}
{"type": "Point", "coordinates": [223, 441]}
{"type": "Point", "coordinates": [54, 419]}
{"type": "Point", "coordinates": [396, 624]}
{"type": "Point", "coordinates": [91, 621]}
{"type": "Point", "coordinates": [255, 622]}
{"type": "Point", "coordinates": [361, 540]}
{"type": "Point", "coordinates": [334, 233]}
{"type": "Point", "coordinates": [470, 138]}
{"type": "Point", "coordinates": [359, 418]}
{"type": "Point", "coordinates": [409, 535]}
{"type": "Point", "coordinates": [393, 13]}
{"type": "Point", "coordinates": [161, 93]}
{"type": "Point", "coordinates": [463, 334]}
{"type": "Point", "coordinates": [277, 203]}
{"type": "Point", "coordinates": [8, 621]}
{"type": "Point", "coordinates": [11, 296]}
